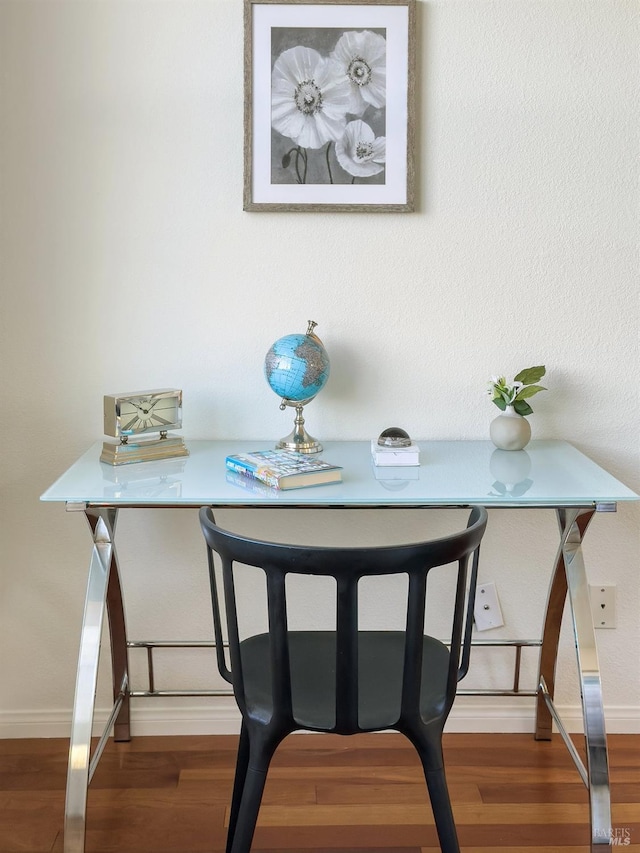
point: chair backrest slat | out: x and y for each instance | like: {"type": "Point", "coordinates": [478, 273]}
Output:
{"type": "Point", "coordinates": [347, 653]}
{"type": "Point", "coordinates": [279, 641]}
{"type": "Point", "coordinates": [413, 647]}
{"type": "Point", "coordinates": [457, 626]}
{"type": "Point", "coordinates": [225, 672]}
{"type": "Point", "coordinates": [466, 644]}
{"type": "Point", "coordinates": [233, 630]}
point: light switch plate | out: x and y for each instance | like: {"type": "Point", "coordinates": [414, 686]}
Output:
{"type": "Point", "coordinates": [487, 612]}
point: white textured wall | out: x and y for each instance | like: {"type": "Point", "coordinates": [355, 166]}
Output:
{"type": "Point", "coordinates": [127, 262]}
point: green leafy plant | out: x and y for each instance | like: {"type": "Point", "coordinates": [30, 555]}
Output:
{"type": "Point", "coordinates": [524, 387]}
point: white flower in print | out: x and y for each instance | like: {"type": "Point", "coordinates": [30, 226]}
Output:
{"type": "Point", "coordinates": [360, 152]}
{"type": "Point", "coordinates": [309, 98]}
{"type": "Point", "coordinates": [362, 57]}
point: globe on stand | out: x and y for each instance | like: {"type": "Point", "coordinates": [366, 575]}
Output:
{"type": "Point", "coordinates": [297, 368]}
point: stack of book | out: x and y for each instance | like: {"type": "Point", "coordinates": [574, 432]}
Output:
{"type": "Point", "coordinates": [394, 456]}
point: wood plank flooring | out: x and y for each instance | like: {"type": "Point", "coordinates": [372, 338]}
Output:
{"type": "Point", "coordinates": [324, 794]}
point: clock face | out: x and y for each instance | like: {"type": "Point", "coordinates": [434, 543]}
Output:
{"type": "Point", "coordinates": [148, 411]}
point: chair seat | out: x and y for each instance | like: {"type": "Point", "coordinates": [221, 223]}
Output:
{"type": "Point", "coordinates": [380, 667]}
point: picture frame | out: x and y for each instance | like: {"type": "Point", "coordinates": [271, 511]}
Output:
{"type": "Point", "coordinates": [329, 117]}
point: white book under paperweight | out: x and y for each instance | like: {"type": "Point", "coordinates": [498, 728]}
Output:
{"type": "Point", "coordinates": [394, 456]}
{"type": "Point", "coordinates": [396, 473]}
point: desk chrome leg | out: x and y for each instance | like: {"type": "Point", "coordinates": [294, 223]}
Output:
{"type": "Point", "coordinates": [570, 563]}
{"type": "Point", "coordinates": [103, 591]}
{"type": "Point", "coordinates": [118, 638]}
{"type": "Point", "coordinates": [550, 641]}
{"type": "Point", "coordinates": [591, 689]}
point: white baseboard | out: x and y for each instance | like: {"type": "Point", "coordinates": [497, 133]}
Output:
{"type": "Point", "coordinates": [495, 716]}
{"type": "Point", "coordinates": [148, 717]}
{"type": "Point", "coordinates": [153, 717]}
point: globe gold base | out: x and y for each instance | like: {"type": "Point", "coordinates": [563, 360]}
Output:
{"type": "Point", "coordinates": [299, 439]}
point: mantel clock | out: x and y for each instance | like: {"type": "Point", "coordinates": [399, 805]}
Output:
{"type": "Point", "coordinates": [139, 413]}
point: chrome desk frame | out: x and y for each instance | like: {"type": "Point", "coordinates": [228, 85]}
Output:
{"type": "Point", "coordinates": [104, 594]}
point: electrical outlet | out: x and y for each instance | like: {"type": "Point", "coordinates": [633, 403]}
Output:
{"type": "Point", "coordinates": [603, 605]}
{"type": "Point", "coordinates": [486, 612]}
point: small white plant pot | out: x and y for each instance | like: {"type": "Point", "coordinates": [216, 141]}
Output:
{"type": "Point", "coordinates": [510, 431]}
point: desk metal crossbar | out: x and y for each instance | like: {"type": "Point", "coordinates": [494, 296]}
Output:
{"type": "Point", "coordinates": [150, 645]}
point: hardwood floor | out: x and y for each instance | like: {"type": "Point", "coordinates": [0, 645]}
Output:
{"type": "Point", "coordinates": [324, 794]}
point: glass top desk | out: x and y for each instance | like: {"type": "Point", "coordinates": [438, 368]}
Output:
{"type": "Point", "coordinates": [550, 474]}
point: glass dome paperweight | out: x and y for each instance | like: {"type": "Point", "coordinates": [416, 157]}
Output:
{"type": "Point", "coordinates": [394, 437]}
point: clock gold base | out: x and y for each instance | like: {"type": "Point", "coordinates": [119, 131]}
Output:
{"type": "Point", "coordinates": [143, 451]}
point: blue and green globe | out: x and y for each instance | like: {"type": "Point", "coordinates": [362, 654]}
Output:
{"type": "Point", "coordinates": [297, 367]}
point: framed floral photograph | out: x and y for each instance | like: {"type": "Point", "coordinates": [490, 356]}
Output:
{"type": "Point", "coordinates": [329, 116]}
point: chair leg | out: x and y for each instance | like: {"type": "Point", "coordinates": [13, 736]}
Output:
{"type": "Point", "coordinates": [242, 763]}
{"type": "Point", "coordinates": [254, 756]}
{"type": "Point", "coordinates": [429, 747]}
{"type": "Point", "coordinates": [442, 813]}
{"type": "Point", "coordinates": [248, 811]}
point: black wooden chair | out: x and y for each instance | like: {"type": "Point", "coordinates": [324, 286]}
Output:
{"type": "Point", "coordinates": [348, 680]}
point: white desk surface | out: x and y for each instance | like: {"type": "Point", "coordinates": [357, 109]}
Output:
{"type": "Point", "coordinates": [451, 473]}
